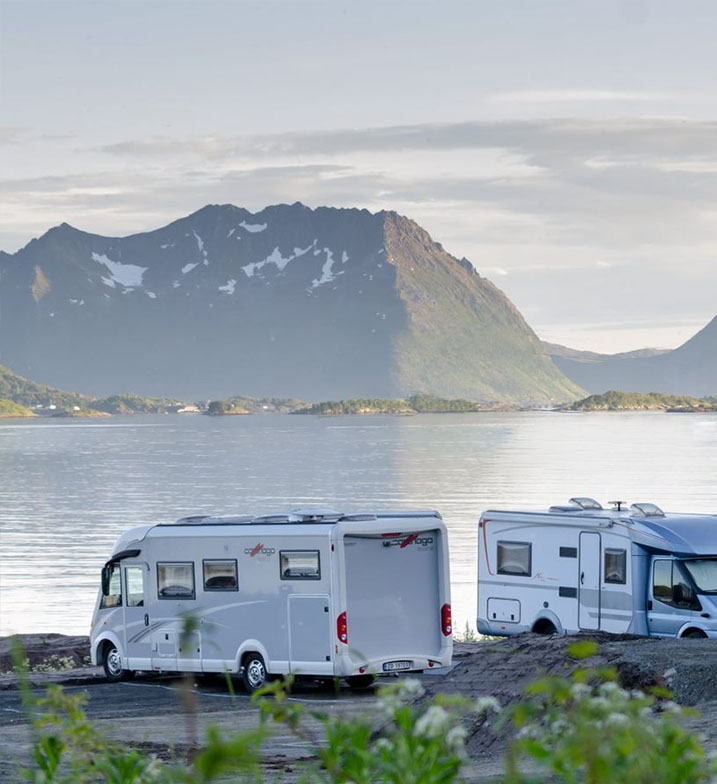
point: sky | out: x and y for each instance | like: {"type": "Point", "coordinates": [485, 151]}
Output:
{"type": "Point", "coordinates": [568, 148]}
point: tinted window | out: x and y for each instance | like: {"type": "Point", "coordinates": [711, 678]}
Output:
{"type": "Point", "coordinates": [299, 565]}
{"type": "Point", "coordinates": [114, 597]}
{"type": "Point", "coordinates": [671, 585]}
{"type": "Point", "coordinates": [134, 585]}
{"type": "Point", "coordinates": [615, 565]}
{"type": "Point", "coordinates": [662, 581]}
{"type": "Point", "coordinates": [220, 575]}
{"type": "Point", "coordinates": [175, 580]}
{"type": "Point", "coordinates": [514, 558]}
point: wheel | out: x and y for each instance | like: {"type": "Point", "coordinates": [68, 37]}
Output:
{"type": "Point", "coordinates": [545, 627]}
{"type": "Point", "coordinates": [360, 681]}
{"type": "Point", "coordinates": [694, 634]}
{"type": "Point", "coordinates": [254, 672]}
{"type": "Point", "coordinates": [112, 664]}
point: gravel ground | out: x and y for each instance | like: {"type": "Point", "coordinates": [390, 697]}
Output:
{"type": "Point", "coordinates": [146, 712]}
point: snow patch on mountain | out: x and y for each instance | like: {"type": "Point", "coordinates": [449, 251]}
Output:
{"type": "Point", "coordinates": [276, 258]}
{"type": "Point", "coordinates": [200, 246]}
{"type": "Point", "coordinates": [344, 257]}
{"type": "Point", "coordinates": [253, 228]}
{"type": "Point", "coordinates": [327, 274]}
{"type": "Point", "coordinates": [127, 275]}
{"type": "Point", "coordinates": [228, 287]}
{"type": "Point", "coordinates": [188, 268]}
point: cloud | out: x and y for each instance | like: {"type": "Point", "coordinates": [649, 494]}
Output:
{"type": "Point", "coordinates": [572, 96]}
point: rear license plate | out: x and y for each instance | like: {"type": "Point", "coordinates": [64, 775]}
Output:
{"type": "Point", "coordinates": [397, 665]}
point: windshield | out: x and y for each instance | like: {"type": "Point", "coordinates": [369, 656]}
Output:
{"type": "Point", "coordinates": [704, 572]}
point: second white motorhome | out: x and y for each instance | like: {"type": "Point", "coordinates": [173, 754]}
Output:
{"type": "Point", "coordinates": [580, 567]}
{"type": "Point", "coordinates": [315, 592]}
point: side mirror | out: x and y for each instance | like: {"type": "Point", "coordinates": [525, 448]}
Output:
{"type": "Point", "coordinates": [105, 580]}
{"type": "Point", "coordinates": [682, 595]}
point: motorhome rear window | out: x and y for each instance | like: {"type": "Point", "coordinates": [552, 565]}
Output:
{"type": "Point", "coordinates": [175, 580]}
{"type": "Point", "coordinates": [220, 575]}
{"type": "Point", "coordinates": [615, 566]}
{"type": "Point", "coordinates": [299, 565]}
{"type": "Point", "coordinates": [514, 558]}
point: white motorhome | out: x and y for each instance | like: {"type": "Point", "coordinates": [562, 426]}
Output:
{"type": "Point", "coordinates": [580, 567]}
{"type": "Point", "coordinates": [316, 593]}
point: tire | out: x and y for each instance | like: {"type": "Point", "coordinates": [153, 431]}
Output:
{"type": "Point", "coordinates": [694, 634]}
{"type": "Point", "coordinates": [112, 665]}
{"type": "Point", "coordinates": [545, 627]}
{"type": "Point", "coordinates": [253, 674]}
{"type": "Point", "coordinates": [359, 682]}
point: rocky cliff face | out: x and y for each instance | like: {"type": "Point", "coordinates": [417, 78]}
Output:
{"type": "Point", "coordinates": [289, 301]}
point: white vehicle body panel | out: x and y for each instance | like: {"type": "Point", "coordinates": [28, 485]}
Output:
{"type": "Point", "coordinates": [593, 570]}
{"type": "Point", "coordinates": [393, 612]}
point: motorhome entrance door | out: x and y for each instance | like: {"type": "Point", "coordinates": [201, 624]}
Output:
{"type": "Point", "coordinates": [310, 634]}
{"type": "Point", "coordinates": [136, 615]}
{"type": "Point", "coordinates": [589, 581]}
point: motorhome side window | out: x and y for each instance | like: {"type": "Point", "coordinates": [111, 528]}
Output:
{"type": "Point", "coordinates": [220, 575]}
{"type": "Point", "coordinates": [175, 580]}
{"type": "Point", "coordinates": [615, 566]}
{"type": "Point", "coordinates": [134, 585]}
{"type": "Point", "coordinates": [299, 565]}
{"type": "Point", "coordinates": [114, 595]}
{"type": "Point", "coordinates": [514, 558]}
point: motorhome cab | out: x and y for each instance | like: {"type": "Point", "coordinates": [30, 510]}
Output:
{"type": "Point", "coordinates": [315, 593]}
{"type": "Point", "coordinates": [581, 567]}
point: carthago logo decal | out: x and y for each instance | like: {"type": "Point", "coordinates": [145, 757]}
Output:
{"type": "Point", "coordinates": [259, 549]}
{"type": "Point", "coordinates": [415, 539]}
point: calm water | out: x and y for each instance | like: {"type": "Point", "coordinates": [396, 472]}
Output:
{"type": "Point", "coordinates": [68, 488]}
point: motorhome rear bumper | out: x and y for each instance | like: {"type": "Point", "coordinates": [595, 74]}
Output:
{"type": "Point", "coordinates": [345, 669]}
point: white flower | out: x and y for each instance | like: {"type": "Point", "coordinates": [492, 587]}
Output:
{"type": "Point", "coordinates": [616, 719]}
{"type": "Point", "coordinates": [410, 689]}
{"type": "Point", "coordinates": [383, 744]}
{"type": "Point", "coordinates": [455, 738]}
{"type": "Point", "coordinates": [433, 722]}
{"type": "Point", "coordinates": [580, 690]}
{"type": "Point", "coordinates": [486, 705]}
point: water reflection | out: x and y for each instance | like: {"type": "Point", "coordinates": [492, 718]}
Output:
{"type": "Point", "coordinates": [70, 488]}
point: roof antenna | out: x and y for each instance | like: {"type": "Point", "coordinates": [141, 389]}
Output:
{"type": "Point", "coordinates": [618, 505]}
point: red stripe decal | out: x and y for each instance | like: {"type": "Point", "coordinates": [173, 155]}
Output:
{"type": "Point", "coordinates": [409, 540]}
{"type": "Point", "coordinates": [256, 550]}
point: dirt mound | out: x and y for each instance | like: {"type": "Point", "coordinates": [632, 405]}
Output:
{"type": "Point", "coordinates": [46, 651]}
{"type": "Point", "coordinates": [503, 670]}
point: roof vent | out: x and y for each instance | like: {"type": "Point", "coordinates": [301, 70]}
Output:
{"type": "Point", "coordinates": [192, 520]}
{"type": "Point", "coordinates": [647, 510]}
{"type": "Point", "coordinates": [271, 518]}
{"type": "Point", "coordinates": [315, 514]}
{"type": "Point", "coordinates": [586, 503]}
{"type": "Point", "coordinates": [578, 504]}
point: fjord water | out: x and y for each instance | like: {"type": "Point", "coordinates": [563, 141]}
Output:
{"type": "Point", "coordinates": [70, 487]}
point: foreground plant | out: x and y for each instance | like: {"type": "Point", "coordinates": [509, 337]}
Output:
{"type": "Point", "coordinates": [587, 729]}
{"type": "Point", "coordinates": [418, 743]}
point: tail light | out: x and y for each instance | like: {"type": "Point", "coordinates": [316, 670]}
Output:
{"type": "Point", "coordinates": [342, 628]}
{"type": "Point", "coordinates": [446, 621]}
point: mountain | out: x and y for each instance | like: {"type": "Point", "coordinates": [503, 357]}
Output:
{"type": "Point", "coordinates": [317, 304]}
{"type": "Point", "coordinates": [690, 369]}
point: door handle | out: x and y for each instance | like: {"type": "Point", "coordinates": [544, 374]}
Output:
{"type": "Point", "coordinates": [582, 577]}
{"type": "Point", "coordinates": [146, 619]}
